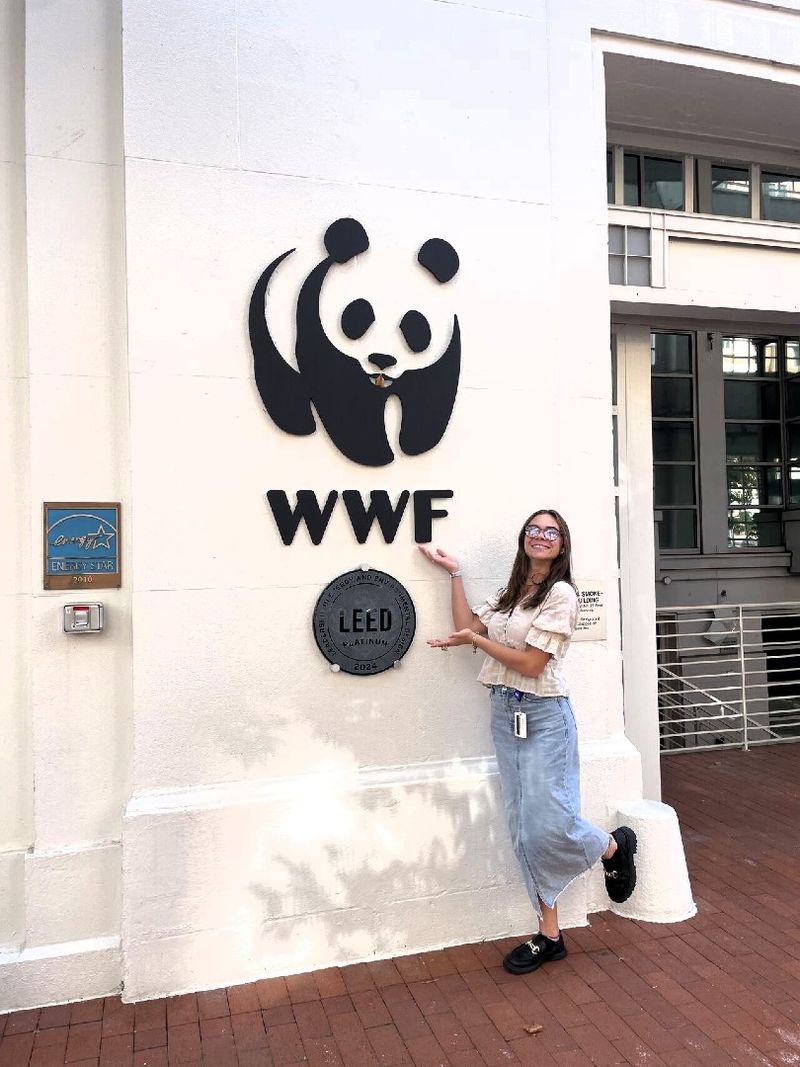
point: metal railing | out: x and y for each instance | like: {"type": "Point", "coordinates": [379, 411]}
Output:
{"type": "Point", "coordinates": [728, 676]}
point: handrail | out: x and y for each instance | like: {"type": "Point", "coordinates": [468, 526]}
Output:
{"type": "Point", "coordinates": [691, 686]}
{"type": "Point", "coordinates": [740, 688]}
{"type": "Point", "coordinates": [728, 607]}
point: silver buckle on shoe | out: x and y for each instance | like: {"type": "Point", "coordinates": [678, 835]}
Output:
{"type": "Point", "coordinates": [535, 949]}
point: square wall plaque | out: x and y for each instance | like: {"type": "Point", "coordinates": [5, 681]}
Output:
{"type": "Point", "coordinates": [81, 546]}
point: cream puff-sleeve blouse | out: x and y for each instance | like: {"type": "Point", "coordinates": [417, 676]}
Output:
{"type": "Point", "coordinates": [548, 628]}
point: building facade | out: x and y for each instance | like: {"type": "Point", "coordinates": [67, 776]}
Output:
{"type": "Point", "coordinates": [192, 797]}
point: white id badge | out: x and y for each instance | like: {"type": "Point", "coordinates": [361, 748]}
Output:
{"type": "Point", "coordinates": [520, 724]}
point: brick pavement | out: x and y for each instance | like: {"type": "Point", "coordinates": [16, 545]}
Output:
{"type": "Point", "coordinates": [723, 988]}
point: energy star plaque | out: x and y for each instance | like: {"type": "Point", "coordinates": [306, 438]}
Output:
{"type": "Point", "coordinates": [81, 546]}
{"type": "Point", "coordinates": [364, 622]}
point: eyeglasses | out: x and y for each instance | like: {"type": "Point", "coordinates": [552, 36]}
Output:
{"type": "Point", "coordinates": [549, 533]}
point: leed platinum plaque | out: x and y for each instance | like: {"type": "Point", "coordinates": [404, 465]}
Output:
{"type": "Point", "coordinates": [364, 622]}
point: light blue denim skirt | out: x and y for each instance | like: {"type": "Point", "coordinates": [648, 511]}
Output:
{"type": "Point", "coordinates": [540, 779]}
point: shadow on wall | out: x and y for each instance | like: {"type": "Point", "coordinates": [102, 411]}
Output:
{"type": "Point", "coordinates": [393, 869]}
{"type": "Point", "coordinates": [318, 860]}
{"type": "Point", "coordinates": [334, 861]}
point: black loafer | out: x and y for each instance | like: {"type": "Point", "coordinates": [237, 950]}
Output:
{"type": "Point", "coordinates": [621, 868]}
{"type": "Point", "coordinates": [530, 955]}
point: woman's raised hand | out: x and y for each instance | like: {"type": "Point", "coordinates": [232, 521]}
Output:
{"type": "Point", "coordinates": [460, 637]}
{"type": "Point", "coordinates": [440, 558]}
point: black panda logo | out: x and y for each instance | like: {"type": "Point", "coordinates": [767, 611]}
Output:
{"type": "Point", "coordinates": [349, 394]}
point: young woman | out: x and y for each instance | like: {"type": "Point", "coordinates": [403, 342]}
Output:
{"type": "Point", "coordinates": [525, 630]}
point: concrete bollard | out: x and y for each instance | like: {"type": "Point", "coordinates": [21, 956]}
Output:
{"type": "Point", "coordinates": [663, 893]}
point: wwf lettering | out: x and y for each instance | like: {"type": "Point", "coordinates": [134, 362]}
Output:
{"type": "Point", "coordinates": [308, 511]}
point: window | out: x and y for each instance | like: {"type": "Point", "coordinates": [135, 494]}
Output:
{"type": "Point", "coordinates": [791, 385]}
{"type": "Point", "coordinates": [780, 197]}
{"type": "Point", "coordinates": [726, 442]}
{"type": "Point", "coordinates": [675, 468]}
{"type": "Point", "coordinates": [631, 172]}
{"type": "Point", "coordinates": [609, 176]}
{"type": "Point", "coordinates": [753, 447]}
{"type": "Point", "coordinates": [629, 255]}
{"type": "Point", "coordinates": [653, 181]}
{"type": "Point", "coordinates": [663, 183]}
{"type": "Point", "coordinates": [677, 182]}
{"type": "Point", "coordinates": [730, 190]}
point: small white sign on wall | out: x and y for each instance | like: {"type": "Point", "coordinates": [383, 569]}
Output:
{"type": "Point", "coordinates": [592, 619]}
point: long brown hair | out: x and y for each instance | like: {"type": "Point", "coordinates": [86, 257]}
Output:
{"type": "Point", "coordinates": [560, 568]}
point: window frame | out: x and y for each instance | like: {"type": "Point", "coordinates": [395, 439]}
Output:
{"type": "Point", "coordinates": [696, 181]}
{"type": "Point", "coordinates": [625, 257]}
{"type": "Point", "coordinates": [618, 172]}
{"type": "Point", "coordinates": [782, 171]}
{"type": "Point", "coordinates": [703, 191]}
{"type": "Point", "coordinates": [709, 423]}
{"type": "Point", "coordinates": [695, 463]}
{"type": "Point", "coordinates": [782, 464]}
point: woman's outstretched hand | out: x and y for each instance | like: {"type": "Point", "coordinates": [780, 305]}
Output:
{"type": "Point", "coordinates": [440, 558]}
{"type": "Point", "coordinates": [460, 637]}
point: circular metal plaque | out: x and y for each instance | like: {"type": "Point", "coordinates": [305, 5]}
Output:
{"type": "Point", "coordinates": [364, 622]}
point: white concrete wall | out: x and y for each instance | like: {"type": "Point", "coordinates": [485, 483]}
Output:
{"type": "Point", "coordinates": [275, 816]}
{"type": "Point", "coordinates": [356, 817]}
{"type": "Point", "coordinates": [16, 774]}
{"type": "Point", "coordinates": [67, 711]}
